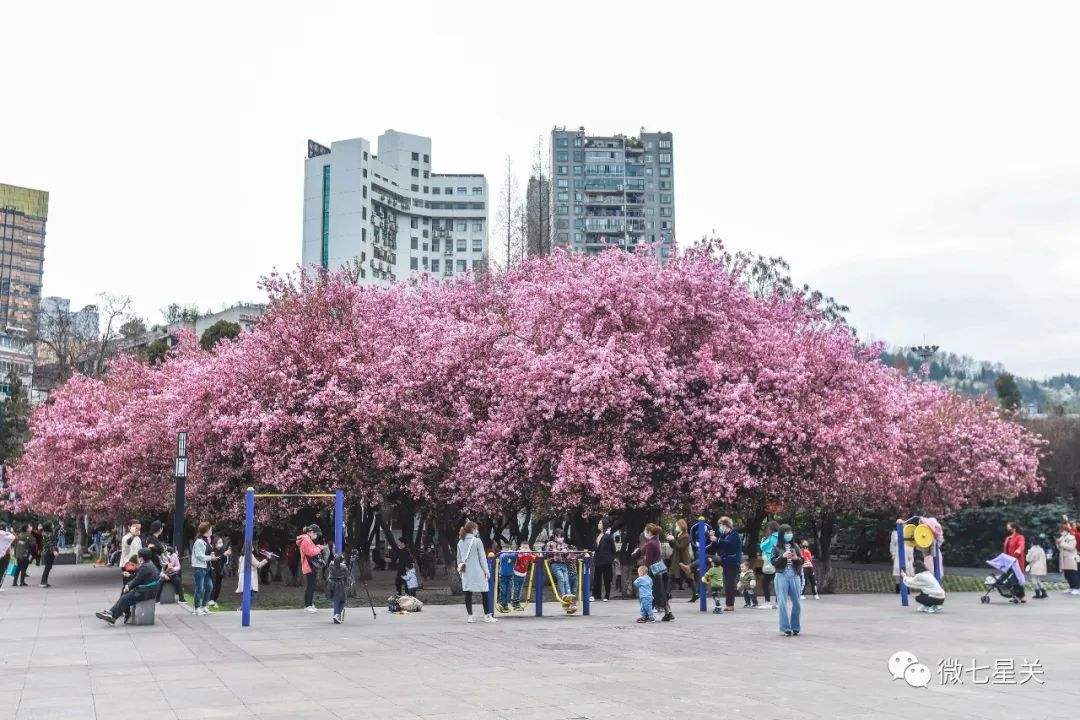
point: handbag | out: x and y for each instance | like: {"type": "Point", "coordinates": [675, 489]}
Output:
{"type": "Point", "coordinates": [658, 568]}
{"type": "Point", "coordinates": [318, 562]}
{"type": "Point", "coordinates": [767, 566]}
{"type": "Point", "coordinates": [130, 567]}
{"type": "Point", "coordinates": [461, 565]}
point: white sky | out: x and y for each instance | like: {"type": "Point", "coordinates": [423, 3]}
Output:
{"type": "Point", "coordinates": [920, 161]}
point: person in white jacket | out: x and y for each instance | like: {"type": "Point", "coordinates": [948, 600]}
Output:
{"type": "Point", "coordinates": [1036, 570]}
{"type": "Point", "coordinates": [931, 596]}
{"type": "Point", "coordinates": [6, 538]}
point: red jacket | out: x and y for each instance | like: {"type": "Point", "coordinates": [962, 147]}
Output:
{"type": "Point", "coordinates": [307, 549]}
{"type": "Point", "coordinates": [1014, 545]}
{"type": "Point", "coordinates": [521, 565]}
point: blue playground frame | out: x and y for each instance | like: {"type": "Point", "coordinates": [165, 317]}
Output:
{"type": "Point", "coordinates": [249, 535]}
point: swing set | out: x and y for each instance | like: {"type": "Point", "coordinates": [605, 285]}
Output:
{"type": "Point", "coordinates": [569, 601]}
{"type": "Point", "coordinates": [249, 535]}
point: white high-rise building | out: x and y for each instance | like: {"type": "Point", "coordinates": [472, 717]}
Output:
{"type": "Point", "coordinates": [389, 213]}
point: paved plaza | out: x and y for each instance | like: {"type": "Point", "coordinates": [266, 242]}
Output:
{"type": "Point", "coordinates": [58, 661]}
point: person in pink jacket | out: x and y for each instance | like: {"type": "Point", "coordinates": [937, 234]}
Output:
{"type": "Point", "coordinates": [308, 549]}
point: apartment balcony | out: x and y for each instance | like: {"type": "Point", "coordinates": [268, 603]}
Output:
{"type": "Point", "coordinates": [609, 224]}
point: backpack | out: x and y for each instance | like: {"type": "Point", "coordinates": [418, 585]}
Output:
{"type": "Point", "coordinates": [409, 603]}
{"type": "Point", "coordinates": [392, 604]}
{"type": "Point", "coordinates": [318, 562]}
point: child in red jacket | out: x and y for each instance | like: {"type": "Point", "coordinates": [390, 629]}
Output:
{"type": "Point", "coordinates": [809, 578]}
{"type": "Point", "coordinates": [521, 571]}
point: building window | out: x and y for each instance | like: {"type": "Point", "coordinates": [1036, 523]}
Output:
{"type": "Point", "coordinates": [462, 245]}
{"type": "Point", "coordinates": [578, 169]}
{"type": "Point", "coordinates": [560, 142]}
{"type": "Point", "coordinates": [462, 191]}
{"type": "Point", "coordinates": [436, 190]}
{"type": "Point", "coordinates": [579, 156]}
{"type": "Point", "coordinates": [665, 171]}
{"type": "Point", "coordinates": [579, 210]}
{"type": "Point", "coordinates": [560, 170]}
{"type": "Point", "coordinates": [562, 224]}
{"type": "Point", "coordinates": [461, 265]}
{"type": "Point", "coordinates": [412, 263]}
{"type": "Point", "coordinates": [665, 184]}
{"type": "Point", "coordinates": [449, 191]}
{"type": "Point", "coordinates": [478, 190]}
{"type": "Point", "coordinates": [461, 226]}
{"type": "Point", "coordinates": [478, 226]}
{"type": "Point", "coordinates": [665, 198]}
{"type": "Point", "coordinates": [364, 171]}
{"type": "Point", "coordinates": [434, 264]}
{"type": "Point", "coordinates": [665, 157]}
{"type": "Point", "coordinates": [414, 223]}
{"type": "Point", "coordinates": [427, 159]}
{"type": "Point", "coordinates": [562, 156]}
{"type": "Point", "coordinates": [363, 190]}
{"type": "Point", "coordinates": [562, 210]}
{"type": "Point", "coordinates": [415, 188]}
{"type": "Point", "coordinates": [435, 245]}
{"type": "Point", "coordinates": [577, 237]}
{"type": "Point", "coordinates": [665, 212]}
{"type": "Point", "coordinates": [561, 183]}
{"type": "Point", "coordinates": [665, 144]}
{"type": "Point", "coordinates": [648, 171]}
{"type": "Point", "coordinates": [427, 174]}
{"type": "Point", "coordinates": [413, 242]}
{"type": "Point", "coordinates": [363, 234]}
{"type": "Point", "coordinates": [577, 142]}
{"type": "Point", "coordinates": [414, 172]}
{"type": "Point", "coordinates": [416, 156]}
{"type": "Point", "coordinates": [563, 196]}
{"type": "Point", "coordinates": [478, 245]}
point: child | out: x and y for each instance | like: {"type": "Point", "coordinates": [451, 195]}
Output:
{"type": "Point", "coordinates": [411, 582]}
{"type": "Point", "coordinates": [714, 577]}
{"type": "Point", "coordinates": [643, 585]}
{"type": "Point", "coordinates": [1036, 570]}
{"type": "Point", "coordinates": [257, 564]}
{"type": "Point", "coordinates": [746, 585]}
{"type": "Point", "coordinates": [506, 578]}
{"type": "Point", "coordinates": [809, 579]}
{"type": "Point", "coordinates": [521, 571]}
{"type": "Point", "coordinates": [931, 595]}
{"type": "Point", "coordinates": [338, 583]}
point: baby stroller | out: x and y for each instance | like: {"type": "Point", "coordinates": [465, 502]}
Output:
{"type": "Point", "coordinates": [1009, 582]}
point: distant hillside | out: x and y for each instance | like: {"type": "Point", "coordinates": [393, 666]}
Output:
{"type": "Point", "coordinates": [1054, 396]}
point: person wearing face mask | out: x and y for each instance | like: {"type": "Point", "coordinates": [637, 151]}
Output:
{"type": "Point", "coordinates": [788, 561]}
{"type": "Point", "coordinates": [603, 561]}
{"type": "Point", "coordinates": [768, 570]}
{"type": "Point", "coordinates": [728, 545]}
{"type": "Point", "coordinates": [1015, 545]}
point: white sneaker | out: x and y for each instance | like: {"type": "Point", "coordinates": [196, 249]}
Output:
{"type": "Point", "coordinates": [490, 619]}
{"type": "Point", "coordinates": [605, 599]}
{"type": "Point", "coordinates": [336, 619]}
{"type": "Point", "coordinates": [1074, 592]}
{"type": "Point", "coordinates": [471, 619]}
{"type": "Point", "coordinates": [310, 609]}
{"type": "Point", "coordinates": [922, 608]}
{"type": "Point", "coordinates": [765, 606]}
{"type": "Point", "coordinates": [802, 597]}
{"type": "Point", "coordinates": [211, 604]}
{"type": "Point", "coordinates": [816, 596]}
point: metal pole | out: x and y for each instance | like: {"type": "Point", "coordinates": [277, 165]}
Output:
{"type": "Point", "coordinates": [937, 561]}
{"type": "Point", "coordinates": [587, 593]}
{"type": "Point", "coordinates": [249, 539]}
{"type": "Point", "coordinates": [702, 605]}
{"type": "Point", "coordinates": [901, 562]}
{"type": "Point", "coordinates": [489, 601]}
{"type": "Point", "coordinates": [539, 587]}
{"type": "Point", "coordinates": [339, 521]}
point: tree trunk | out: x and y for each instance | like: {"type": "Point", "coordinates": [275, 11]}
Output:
{"type": "Point", "coordinates": [753, 531]}
{"type": "Point", "coordinates": [826, 531]}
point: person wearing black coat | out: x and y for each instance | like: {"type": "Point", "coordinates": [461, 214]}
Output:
{"type": "Point", "coordinates": [602, 562]}
{"type": "Point", "coordinates": [787, 559]}
{"type": "Point", "coordinates": [728, 546]}
{"type": "Point", "coordinates": [402, 558]}
{"type": "Point", "coordinates": [142, 586]}
{"type": "Point", "coordinates": [154, 544]}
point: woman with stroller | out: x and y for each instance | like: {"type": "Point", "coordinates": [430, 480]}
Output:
{"type": "Point", "coordinates": [1066, 545]}
{"type": "Point", "coordinates": [1015, 546]}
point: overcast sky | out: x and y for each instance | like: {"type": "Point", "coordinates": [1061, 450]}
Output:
{"type": "Point", "coordinates": [919, 161]}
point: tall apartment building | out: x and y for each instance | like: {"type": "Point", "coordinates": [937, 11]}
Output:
{"type": "Point", "coordinates": [537, 222]}
{"type": "Point", "coordinates": [613, 191]}
{"type": "Point", "coordinates": [23, 213]}
{"type": "Point", "coordinates": [390, 213]}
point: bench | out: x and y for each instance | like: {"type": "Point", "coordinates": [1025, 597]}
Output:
{"type": "Point", "coordinates": [143, 612]}
{"type": "Point", "coordinates": [168, 594]}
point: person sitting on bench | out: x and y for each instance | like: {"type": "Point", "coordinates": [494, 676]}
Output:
{"type": "Point", "coordinates": [142, 586]}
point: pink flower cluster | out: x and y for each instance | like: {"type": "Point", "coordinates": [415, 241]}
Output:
{"type": "Point", "coordinates": [569, 381]}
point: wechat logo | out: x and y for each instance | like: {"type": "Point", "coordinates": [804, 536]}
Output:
{"type": "Point", "coordinates": [904, 665]}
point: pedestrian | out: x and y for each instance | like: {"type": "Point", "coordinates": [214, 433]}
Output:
{"type": "Point", "coordinates": [787, 560]}
{"type": "Point", "coordinates": [310, 553]}
{"type": "Point", "coordinates": [154, 543]}
{"type": "Point", "coordinates": [412, 583]}
{"type": "Point", "coordinates": [809, 578]}
{"type": "Point", "coordinates": [473, 568]}
{"type": "Point", "coordinates": [679, 566]}
{"type": "Point", "coordinates": [222, 547]}
{"type": "Point", "coordinates": [931, 596]}
{"type": "Point", "coordinates": [1036, 569]}
{"type": "Point", "coordinates": [339, 582]}
{"type": "Point", "coordinates": [651, 557]}
{"type": "Point", "coordinates": [746, 586]}
{"type": "Point", "coordinates": [6, 539]}
{"type": "Point", "coordinates": [39, 543]}
{"type": "Point", "coordinates": [644, 585]}
{"type": "Point", "coordinates": [726, 544]}
{"type": "Point", "coordinates": [1067, 558]}
{"type": "Point", "coordinates": [504, 566]}
{"type": "Point", "coordinates": [201, 557]}
{"type": "Point", "coordinates": [714, 578]}
{"type": "Point", "coordinates": [48, 556]}
{"type": "Point", "coordinates": [142, 586]}
{"type": "Point", "coordinates": [768, 570]}
{"type": "Point", "coordinates": [170, 573]}
{"type": "Point", "coordinates": [402, 557]}
{"type": "Point", "coordinates": [1015, 545]}
{"type": "Point", "coordinates": [603, 562]}
{"type": "Point", "coordinates": [258, 562]}
{"type": "Point", "coordinates": [130, 545]}
{"type": "Point", "coordinates": [24, 553]}
{"type": "Point", "coordinates": [522, 562]}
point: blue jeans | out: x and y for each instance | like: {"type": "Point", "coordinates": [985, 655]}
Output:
{"type": "Point", "coordinates": [788, 589]}
{"type": "Point", "coordinates": [562, 578]}
{"type": "Point", "coordinates": [339, 606]}
{"type": "Point", "coordinates": [645, 601]}
{"type": "Point", "coordinates": [519, 586]}
{"type": "Point", "coordinates": [505, 582]}
{"type": "Point", "coordinates": [204, 585]}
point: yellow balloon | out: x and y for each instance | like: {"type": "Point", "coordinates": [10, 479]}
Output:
{"type": "Point", "coordinates": [924, 536]}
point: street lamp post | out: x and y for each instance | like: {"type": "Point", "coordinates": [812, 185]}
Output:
{"type": "Point", "coordinates": [180, 472]}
